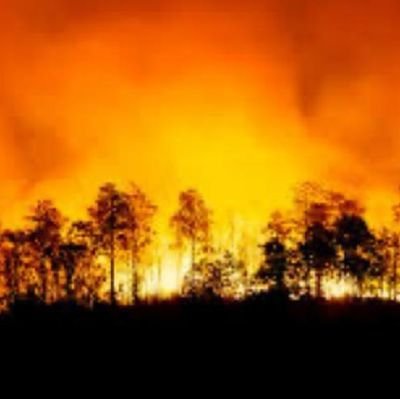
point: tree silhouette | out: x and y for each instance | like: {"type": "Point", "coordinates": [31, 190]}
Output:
{"type": "Point", "coordinates": [319, 251]}
{"type": "Point", "coordinates": [45, 237]}
{"type": "Point", "coordinates": [12, 249]}
{"type": "Point", "coordinates": [380, 257]}
{"type": "Point", "coordinates": [233, 277]}
{"type": "Point", "coordinates": [110, 216]}
{"type": "Point", "coordinates": [223, 278]}
{"type": "Point", "coordinates": [324, 239]}
{"type": "Point", "coordinates": [89, 275]}
{"type": "Point", "coordinates": [192, 222]}
{"type": "Point", "coordinates": [395, 246]}
{"type": "Point", "coordinates": [275, 265]}
{"type": "Point", "coordinates": [140, 232]}
{"type": "Point", "coordinates": [355, 238]}
{"type": "Point", "coordinates": [311, 203]}
{"type": "Point", "coordinates": [70, 255]}
{"type": "Point", "coordinates": [202, 281]}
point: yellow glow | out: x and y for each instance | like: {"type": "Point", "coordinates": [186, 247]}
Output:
{"type": "Point", "coordinates": [334, 289]}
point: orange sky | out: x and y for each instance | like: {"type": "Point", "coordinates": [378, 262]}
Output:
{"type": "Point", "coordinates": [240, 99]}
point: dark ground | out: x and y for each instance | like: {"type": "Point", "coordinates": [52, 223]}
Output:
{"type": "Point", "coordinates": [266, 320]}
{"type": "Point", "coordinates": [181, 338]}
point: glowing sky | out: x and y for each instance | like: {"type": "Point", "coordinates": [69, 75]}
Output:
{"type": "Point", "coordinates": [240, 99]}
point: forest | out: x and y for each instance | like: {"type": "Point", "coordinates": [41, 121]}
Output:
{"type": "Point", "coordinates": [324, 250]}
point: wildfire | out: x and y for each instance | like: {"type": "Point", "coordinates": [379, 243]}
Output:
{"type": "Point", "coordinates": [241, 100]}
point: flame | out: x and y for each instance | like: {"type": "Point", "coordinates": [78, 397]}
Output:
{"type": "Point", "coordinates": [334, 289]}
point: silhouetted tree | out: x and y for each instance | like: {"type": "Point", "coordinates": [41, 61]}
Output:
{"type": "Point", "coordinates": [110, 216]}
{"type": "Point", "coordinates": [275, 265]}
{"type": "Point", "coordinates": [380, 258]}
{"type": "Point", "coordinates": [140, 232]}
{"type": "Point", "coordinates": [192, 221]}
{"type": "Point", "coordinates": [197, 281]}
{"type": "Point", "coordinates": [311, 206]}
{"type": "Point", "coordinates": [45, 238]}
{"type": "Point", "coordinates": [89, 275]}
{"type": "Point", "coordinates": [396, 250]}
{"type": "Point", "coordinates": [70, 255]}
{"type": "Point", "coordinates": [395, 247]}
{"type": "Point", "coordinates": [89, 279]}
{"type": "Point", "coordinates": [12, 249]}
{"type": "Point", "coordinates": [234, 276]}
{"type": "Point", "coordinates": [221, 278]}
{"type": "Point", "coordinates": [319, 251]}
{"type": "Point", "coordinates": [355, 238]}
{"type": "Point", "coordinates": [325, 237]}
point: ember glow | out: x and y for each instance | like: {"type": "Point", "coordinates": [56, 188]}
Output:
{"type": "Point", "coordinates": [239, 99]}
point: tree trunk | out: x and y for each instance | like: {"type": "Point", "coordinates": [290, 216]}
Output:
{"type": "Point", "coordinates": [13, 293]}
{"type": "Point", "coordinates": [43, 276]}
{"type": "Point", "coordinates": [112, 269]}
{"type": "Point", "coordinates": [395, 274]}
{"type": "Point", "coordinates": [135, 282]}
{"type": "Point", "coordinates": [10, 272]}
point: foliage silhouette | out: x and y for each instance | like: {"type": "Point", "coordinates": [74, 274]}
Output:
{"type": "Point", "coordinates": [324, 242]}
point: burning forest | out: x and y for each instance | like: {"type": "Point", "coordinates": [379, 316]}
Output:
{"type": "Point", "coordinates": [261, 137]}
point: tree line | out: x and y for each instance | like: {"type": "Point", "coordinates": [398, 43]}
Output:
{"type": "Point", "coordinates": [325, 242]}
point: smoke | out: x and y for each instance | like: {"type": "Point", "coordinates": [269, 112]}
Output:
{"type": "Point", "coordinates": [345, 81]}
{"type": "Point", "coordinates": [240, 99]}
